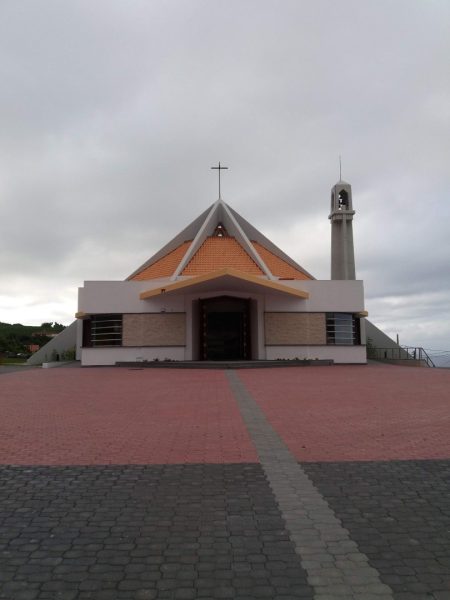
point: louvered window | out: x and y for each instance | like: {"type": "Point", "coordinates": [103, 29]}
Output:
{"type": "Point", "coordinates": [103, 330]}
{"type": "Point", "coordinates": [342, 329]}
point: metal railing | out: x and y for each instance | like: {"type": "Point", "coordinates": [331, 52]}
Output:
{"type": "Point", "coordinates": [401, 353]}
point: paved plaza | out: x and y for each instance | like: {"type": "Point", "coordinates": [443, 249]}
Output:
{"type": "Point", "coordinates": [298, 483]}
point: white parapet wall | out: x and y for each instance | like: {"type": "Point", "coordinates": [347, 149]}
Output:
{"type": "Point", "coordinates": [123, 297]}
{"type": "Point", "coordinates": [110, 356]}
{"type": "Point", "coordinates": [324, 296]}
{"type": "Point", "coordinates": [338, 354]}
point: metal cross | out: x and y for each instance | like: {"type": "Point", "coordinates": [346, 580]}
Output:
{"type": "Point", "coordinates": [219, 169]}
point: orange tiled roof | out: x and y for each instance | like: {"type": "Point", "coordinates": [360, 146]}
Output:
{"type": "Point", "coordinates": [218, 253]}
{"type": "Point", "coordinates": [278, 266]}
{"type": "Point", "coordinates": [165, 266]}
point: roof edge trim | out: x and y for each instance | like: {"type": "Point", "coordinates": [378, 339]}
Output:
{"type": "Point", "coordinates": [246, 243]}
{"type": "Point", "coordinates": [200, 237]}
{"type": "Point", "coordinates": [188, 233]}
{"type": "Point", "coordinates": [227, 271]}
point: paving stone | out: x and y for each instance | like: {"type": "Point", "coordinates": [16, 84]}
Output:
{"type": "Point", "coordinates": [145, 595]}
{"type": "Point", "coordinates": [302, 505]}
{"type": "Point", "coordinates": [403, 505]}
{"type": "Point", "coordinates": [114, 532]}
{"type": "Point", "coordinates": [140, 533]}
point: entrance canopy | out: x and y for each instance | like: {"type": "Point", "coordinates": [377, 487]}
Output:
{"type": "Point", "coordinates": [224, 279]}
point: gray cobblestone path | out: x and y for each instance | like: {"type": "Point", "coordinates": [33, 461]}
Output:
{"type": "Point", "coordinates": [176, 532]}
{"type": "Point", "coordinates": [336, 568]}
{"type": "Point", "coordinates": [399, 514]}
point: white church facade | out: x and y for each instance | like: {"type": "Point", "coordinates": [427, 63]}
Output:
{"type": "Point", "coordinates": [220, 290]}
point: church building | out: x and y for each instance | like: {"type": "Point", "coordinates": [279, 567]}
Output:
{"type": "Point", "coordinates": [220, 290]}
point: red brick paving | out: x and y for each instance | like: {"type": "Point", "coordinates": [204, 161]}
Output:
{"type": "Point", "coordinates": [342, 413]}
{"type": "Point", "coordinates": [118, 416]}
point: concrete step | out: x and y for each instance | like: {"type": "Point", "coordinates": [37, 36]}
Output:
{"type": "Point", "coordinates": [223, 364]}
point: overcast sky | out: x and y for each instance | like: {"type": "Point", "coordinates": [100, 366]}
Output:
{"type": "Point", "coordinates": [112, 113]}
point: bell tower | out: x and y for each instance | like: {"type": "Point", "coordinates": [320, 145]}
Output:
{"type": "Point", "coordinates": [341, 216]}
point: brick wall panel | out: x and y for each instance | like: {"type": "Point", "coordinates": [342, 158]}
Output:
{"type": "Point", "coordinates": [154, 329]}
{"type": "Point", "coordinates": [295, 329]}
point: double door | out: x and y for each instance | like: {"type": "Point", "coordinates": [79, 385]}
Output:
{"type": "Point", "coordinates": [225, 331]}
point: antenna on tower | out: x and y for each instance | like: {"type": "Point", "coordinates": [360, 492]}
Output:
{"type": "Point", "coordinates": [340, 168]}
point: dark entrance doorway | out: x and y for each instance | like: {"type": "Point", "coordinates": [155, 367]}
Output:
{"type": "Point", "coordinates": [225, 328]}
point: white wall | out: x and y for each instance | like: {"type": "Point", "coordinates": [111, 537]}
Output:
{"type": "Point", "coordinates": [123, 297]}
{"type": "Point", "coordinates": [339, 354]}
{"type": "Point", "coordinates": [324, 296]}
{"type": "Point", "coordinates": [109, 356]}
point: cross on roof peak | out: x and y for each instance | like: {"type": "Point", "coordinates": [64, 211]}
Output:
{"type": "Point", "coordinates": [219, 168]}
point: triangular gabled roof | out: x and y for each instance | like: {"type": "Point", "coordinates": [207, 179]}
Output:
{"type": "Point", "coordinates": [199, 248]}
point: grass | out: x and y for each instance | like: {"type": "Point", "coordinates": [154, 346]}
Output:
{"type": "Point", "coordinates": [13, 361]}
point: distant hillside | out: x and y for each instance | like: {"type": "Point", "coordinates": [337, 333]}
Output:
{"type": "Point", "coordinates": [15, 338]}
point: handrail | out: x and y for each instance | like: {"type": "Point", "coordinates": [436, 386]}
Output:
{"type": "Point", "coordinates": [421, 354]}
{"type": "Point", "coordinates": [400, 353]}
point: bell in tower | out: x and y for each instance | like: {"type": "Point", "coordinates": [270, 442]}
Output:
{"type": "Point", "coordinates": [341, 216]}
